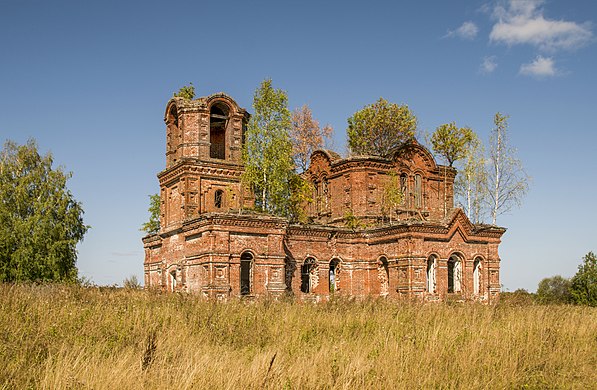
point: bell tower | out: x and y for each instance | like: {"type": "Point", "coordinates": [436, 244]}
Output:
{"type": "Point", "coordinates": [203, 158]}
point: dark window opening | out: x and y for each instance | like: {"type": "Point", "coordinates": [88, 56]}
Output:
{"type": "Point", "coordinates": [384, 276]}
{"type": "Point", "coordinates": [218, 121]}
{"type": "Point", "coordinates": [218, 198]}
{"type": "Point", "coordinates": [403, 187]}
{"type": "Point", "coordinates": [246, 263]}
{"type": "Point", "coordinates": [333, 276]}
{"type": "Point", "coordinates": [307, 270]}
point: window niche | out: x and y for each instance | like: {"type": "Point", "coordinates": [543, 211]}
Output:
{"type": "Point", "coordinates": [219, 199]}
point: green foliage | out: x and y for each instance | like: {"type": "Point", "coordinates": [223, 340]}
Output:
{"type": "Point", "coordinates": [186, 92]}
{"type": "Point", "coordinates": [452, 142]}
{"type": "Point", "coordinates": [392, 194]}
{"type": "Point", "coordinates": [153, 225]}
{"type": "Point", "coordinates": [379, 128]}
{"type": "Point", "coordinates": [267, 152]}
{"type": "Point", "coordinates": [554, 290]}
{"type": "Point", "coordinates": [583, 286]}
{"type": "Point", "coordinates": [352, 221]}
{"type": "Point", "coordinates": [300, 196]}
{"type": "Point", "coordinates": [41, 221]}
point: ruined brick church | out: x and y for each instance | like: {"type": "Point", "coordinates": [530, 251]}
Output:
{"type": "Point", "coordinates": [211, 245]}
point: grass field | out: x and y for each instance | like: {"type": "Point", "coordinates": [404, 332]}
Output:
{"type": "Point", "coordinates": [62, 337]}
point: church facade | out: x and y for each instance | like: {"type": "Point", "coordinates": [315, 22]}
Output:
{"type": "Point", "coordinates": [209, 243]}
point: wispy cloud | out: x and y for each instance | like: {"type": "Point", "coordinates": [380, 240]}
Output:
{"type": "Point", "coordinates": [488, 65]}
{"type": "Point", "coordinates": [468, 30]}
{"type": "Point", "coordinates": [540, 67]}
{"type": "Point", "coordinates": [523, 22]}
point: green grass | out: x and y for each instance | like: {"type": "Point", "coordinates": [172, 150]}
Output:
{"type": "Point", "coordinates": [60, 337]}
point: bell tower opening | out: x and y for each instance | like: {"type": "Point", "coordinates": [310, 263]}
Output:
{"type": "Point", "coordinates": [218, 122]}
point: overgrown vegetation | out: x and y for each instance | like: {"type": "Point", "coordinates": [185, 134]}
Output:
{"type": "Point", "coordinates": [153, 225]}
{"type": "Point", "coordinates": [186, 92]}
{"type": "Point", "coordinates": [71, 337]}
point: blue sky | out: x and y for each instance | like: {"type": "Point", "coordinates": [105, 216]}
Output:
{"type": "Point", "coordinates": [90, 81]}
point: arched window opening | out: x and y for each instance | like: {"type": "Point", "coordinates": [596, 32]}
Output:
{"type": "Point", "coordinates": [219, 199]}
{"type": "Point", "coordinates": [246, 265]}
{"type": "Point", "coordinates": [218, 121]}
{"type": "Point", "coordinates": [383, 273]}
{"type": "Point", "coordinates": [454, 274]}
{"type": "Point", "coordinates": [173, 280]}
{"type": "Point", "coordinates": [172, 133]}
{"type": "Point", "coordinates": [325, 194]}
{"type": "Point", "coordinates": [308, 275]}
{"type": "Point", "coordinates": [404, 186]}
{"type": "Point", "coordinates": [477, 276]}
{"type": "Point", "coordinates": [418, 191]}
{"type": "Point", "coordinates": [333, 276]}
{"type": "Point", "coordinates": [431, 274]}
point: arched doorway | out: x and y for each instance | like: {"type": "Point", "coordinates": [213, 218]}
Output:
{"type": "Point", "coordinates": [246, 267]}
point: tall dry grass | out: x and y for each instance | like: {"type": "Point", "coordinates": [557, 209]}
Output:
{"type": "Point", "coordinates": [58, 337]}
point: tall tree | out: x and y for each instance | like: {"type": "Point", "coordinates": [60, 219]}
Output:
{"type": "Point", "coordinates": [583, 286]}
{"type": "Point", "coordinates": [41, 221]}
{"type": "Point", "coordinates": [267, 151]}
{"type": "Point", "coordinates": [379, 128]}
{"type": "Point", "coordinates": [471, 181]}
{"type": "Point", "coordinates": [306, 136]}
{"type": "Point", "coordinates": [451, 142]}
{"type": "Point", "coordinates": [153, 225]}
{"type": "Point", "coordinates": [507, 181]}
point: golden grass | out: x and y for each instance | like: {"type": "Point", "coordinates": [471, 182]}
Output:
{"type": "Point", "coordinates": [59, 337]}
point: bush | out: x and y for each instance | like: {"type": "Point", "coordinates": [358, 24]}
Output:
{"type": "Point", "coordinates": [554, 290]}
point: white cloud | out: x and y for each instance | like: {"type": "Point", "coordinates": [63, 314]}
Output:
{"type": "Point", "coordinates": [488, 65]}
{"type": "Point", "coordinates": [468, 30]}
{"type": "Point", "coordinates": [540, 67]}
{"type": "Point", "coordinates": [522, 22]}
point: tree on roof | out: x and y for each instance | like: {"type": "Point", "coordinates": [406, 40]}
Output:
{"type": "Point", "coordinates": [380, 128]}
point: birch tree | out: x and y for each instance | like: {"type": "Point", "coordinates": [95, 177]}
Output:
{"type": "Point", "coordinates": [507, 182]}
{"type": "Point", "coordinates": [306, 136]}
{"type": "Point", "coordinates": [471, 181]}
{"type": "Point", "coordinates": [267, 152]}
